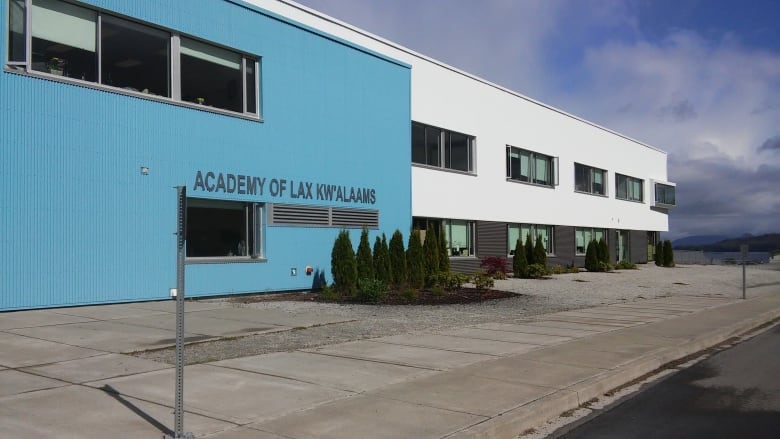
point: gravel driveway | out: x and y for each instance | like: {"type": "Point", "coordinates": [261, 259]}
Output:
{"type": "Point", "coordinates": [536, 297]}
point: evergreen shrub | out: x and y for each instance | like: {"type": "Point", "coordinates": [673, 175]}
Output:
{"type": "Point", "coordinates": [398, 259]}
{"type": "Point", "coordinates": [668, 254]}
{"type": "Point", "coordinates": [343, 265]}
{"type": "Point", "coordinates": [365, 262]}
{"type": "Point", "coordinates": [415, 261]}
{"type": "Point", "coordinates": [519, 261]}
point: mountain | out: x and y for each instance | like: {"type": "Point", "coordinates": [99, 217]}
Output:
{"type": "Point", "coordinates": [698, 240]}
{"type": "Point", "coordinates": [761, 243]}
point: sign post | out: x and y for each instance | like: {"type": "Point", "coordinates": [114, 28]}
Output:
{"type": "Point", "coordinates": [181, 233]}
{"type": "Point", "coordinates": [744, 250]}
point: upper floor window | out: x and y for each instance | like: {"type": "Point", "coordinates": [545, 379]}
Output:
{"type": "Point", "coordinates": [629, 188]}
{"type": "Point", "coordinates": [523, 231]}
{"type": "Point", "coordinates": [529, 166]}
{"type": "Point", "coordinates": [665, 195]}
{"type": "Point", "coordinates": [442, 148]}
{"type": "Point", "coordinates": [589, 179]}
{"type": "Point", "coordinates": [79, 43]}
{"type": "Point", "coordinates": [583, 237]}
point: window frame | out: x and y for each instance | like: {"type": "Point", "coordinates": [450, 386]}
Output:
{"type": "Point", "coordinates": [628, 181]}
{"type": "Point", "coordinates": [591, 172]}
{"type": "Point", "coordinates": [592, 231]}
{"type": "Point", "coordinates": [550, 249]}
{"type": "Point", "coordinates": [254, 226]}
{"type": "Point", "coordinates": [443, 155]}
{"type": "Point", "coordinates": [173, 69]}
{"type": "Point", "coordinates": [665, 190]}
{"type": "Point", "coordinates": [532, 157]}
{"type": "Point", "coordinates": [471, 249]}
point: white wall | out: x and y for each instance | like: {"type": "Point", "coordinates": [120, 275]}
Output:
{"type": "Point", "coordinates": [445, 97]}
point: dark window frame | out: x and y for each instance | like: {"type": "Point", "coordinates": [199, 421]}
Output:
{"type": "Point", "coordinates": [514, 170]}
{"type": "Point", "coordinates": [629, 183]}
{"type": "Point", "coordinates": [589, 186]}
{"type": "Point", "coordinates": [433, 147]}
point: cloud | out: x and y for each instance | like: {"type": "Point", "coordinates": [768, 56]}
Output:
{"type": "Point", "coordinates": [772, 143]}
{"type": "Point", "coordinates": [678, 112]}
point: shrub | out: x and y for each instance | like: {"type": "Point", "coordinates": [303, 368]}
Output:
{"type": "Point", "coordinates": [451, 281]}
{"type": "Point", "coordinates": [519, 261]}
{"type": "Point", "coordinates": [437, 290]}
{"type": "Point", "coordinates": [444, 255]}
{"type": "Point", "coordinates": [329, 293]}
{"type": "Point", "coordinates": [625, 265]}
{"type": "Point", "coordinates": [431, 253]}
{"type": "Point", "coordinates": [382, 261]}
{"type": "Point", "coordinates": [592, 262]}
{"type": "Point", "coordinates": [343, 265]}
{"type": "Point", "coordinates": [536, 271]}
{"type": "Point", "coordinates": [495, 266]}
{"type": "Point", "coordinates": [603, 251]}
{"type": "Point", "coordinates": [482, 280]}
{"type": "Point", "coordinates": [529, 249]}
{"type": "Point", "coordinates": [415, 260]}
{"type": "Point", "coordinates": [659, 254]}
{"type": "Point", "coordinates": [365, 262]}
{"type": "Point", "coordinates": [370, 290]}
{"type": "Point", "coordinates": [560, 269]}
{"type": "Point", "coordinates": [397, 259]}
{"type": "Point", "coordinates": [540, 254]}
{"type": "Point", "coordinates": [409, 294]}
{"type": "Point", "coordinates": [668, 254]}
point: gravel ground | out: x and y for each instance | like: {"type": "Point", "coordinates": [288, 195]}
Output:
{"type": "Point", "coordinates": [536, 297]}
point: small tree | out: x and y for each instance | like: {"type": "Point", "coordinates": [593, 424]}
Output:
{"type": "Point", "coordinates": [529, 249]}
{"type": "Point", "coordinates": [519, 261]}
{"type": "Point", "coordinates": [398, 259]}
{"type": "Point", "coordinates": [444, 254]}
{"type": "Point", "coordinates": [415, 260]}
{"type": "Point", "coordinates": [668, 254]}
{"type": "Point", "coordinates": [603, 251]}
{"type": "Point", "coordinates": [540, 254]}
{"type": "Point", "coordinates": [592, 262]}
{"type": "Point", "coordinates": [431, 252]}
{"type": "Point", "coordinates": [659, 254]}
{"type": "Point", "coordinates": [381, 261]}
{"type": "Point", "coordinates": [365, 262]}
{"type": "Point", "coordinates": [343, 264]}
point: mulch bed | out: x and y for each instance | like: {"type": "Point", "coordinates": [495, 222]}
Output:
{"type": "Point", "coordinates": [463, 295]}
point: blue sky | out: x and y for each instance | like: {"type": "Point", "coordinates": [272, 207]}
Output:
{"type": "Point", "coordinates": [699, 79]}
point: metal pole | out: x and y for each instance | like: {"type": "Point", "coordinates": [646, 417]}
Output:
{"type": "Point", "coordinates": [181, 234]}
{"type": "Point", "coordinates": [743, 279]}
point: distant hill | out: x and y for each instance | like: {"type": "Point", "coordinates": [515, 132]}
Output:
{"type": "Point", "coordinates": [761, 243]}
{"type": "Point", "coordinates": [698, 240]}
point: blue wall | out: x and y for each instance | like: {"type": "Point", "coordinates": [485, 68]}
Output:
{"type": "Point", "coordinates": [80, 224]}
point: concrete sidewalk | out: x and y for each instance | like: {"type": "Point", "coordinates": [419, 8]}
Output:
{"type": "Point", "coordinates": [65, 372]}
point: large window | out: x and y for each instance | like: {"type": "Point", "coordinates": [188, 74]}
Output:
{"type": "Point", "coordinates": [458, 234]}
{"type": "Point", "coordinates": [442, 148]}
{"type": "Point", "coordinates": [628, 188]}
{"type": "Point", "coordinates": [589, 180]}
{"type": "Point", "coordinates": [83, 44]}
{"type": "Point", "coordinates": [529, 166]}
{"type": "Point", "coordinates": [522, 231]}
{"type": "Point", "coordinates": [665, 195]}
{"type": "Point", "coordinates": [224, 229]}
{"type": "Point", "coordinates": [583, 236]}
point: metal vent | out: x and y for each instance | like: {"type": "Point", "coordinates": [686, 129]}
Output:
{"type": "Point", "coordinates": [298, 215]}
{"type": "Point", "coordinates": [355, 218]}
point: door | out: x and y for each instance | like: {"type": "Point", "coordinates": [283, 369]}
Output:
{"type": "Point", "coordinates": [622, 250]}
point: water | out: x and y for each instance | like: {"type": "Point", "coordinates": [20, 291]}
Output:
{"type": "Point", "coordinates": [736, 257]}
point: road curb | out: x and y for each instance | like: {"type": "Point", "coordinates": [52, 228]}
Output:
{"type": "Point", "coordinates": [534, 414]}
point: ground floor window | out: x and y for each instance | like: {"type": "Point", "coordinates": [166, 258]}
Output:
{"type": "Point", "coordinates": [583, 236]}
{"type": "Point", "coordinates": [458, 234]}
{"type": "Point", "coordinates": [224, 229]}
{"type": "Point", "coordinates": [521, 231]}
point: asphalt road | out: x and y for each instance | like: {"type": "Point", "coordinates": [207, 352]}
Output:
{"type": "Point", "coordinates": [735, 393]}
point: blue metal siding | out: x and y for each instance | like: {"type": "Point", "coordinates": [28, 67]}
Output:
{"type": "Point", "coordinates": [80, 224]}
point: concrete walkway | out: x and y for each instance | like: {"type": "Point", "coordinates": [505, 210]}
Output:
{"type": "Point", "coordinates": [66, 373]}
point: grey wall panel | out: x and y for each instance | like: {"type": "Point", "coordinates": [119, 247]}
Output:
{"type": "Point", "coordinates": [491, 239]}
{"type": "Point", "coordinates": [564, 246]}
{"type": "Point", "coordinates": [638, 243]}
{"type": "Point", "coordinates": [464, 265]}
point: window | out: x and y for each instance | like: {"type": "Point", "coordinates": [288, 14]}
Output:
{"type": "Point", "coordinates": [589, 180]}
{"type": "Point", "coordinates": [521, 231]}
{"type": "Point", "coordinates": [529, 166]}
{"type": "Point", "coordinates": [458, 234]}
{"type": "Point", "coordinates": [83, 44]}
{"type": "Point", "coordinates": [224, 229]}
{"type": "Point", "coordinates": [628, 188]}
{"type": "Point", "coordinates": [583, 237]}
{"type": "Point", "coordinates": [441, 148]}
{"type": "Point", "coordinates": [664, 195]}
